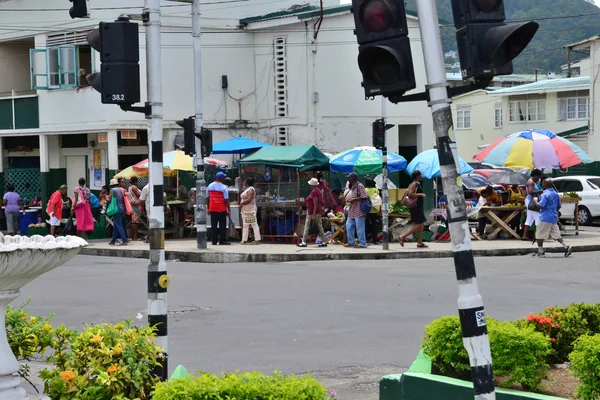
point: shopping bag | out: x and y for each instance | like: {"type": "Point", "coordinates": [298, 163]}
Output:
{"type": "Point", "coordinates": [112, 209]}
{"type": "Point", "coordinates": [128, 209]}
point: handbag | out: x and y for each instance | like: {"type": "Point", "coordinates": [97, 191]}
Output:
{"type": "Point", "coordinates": [112, 208]}
{"type": "Point", "coordinates": [365, 204]}
{"type": "Point", "coordinates": [532, 207]}
{"type": "Point", "coordinates": [80, 200]}
{"type": "Point", "coordinates": [128, 209]}
{"type": "Point", "coordinates": [409, 202]}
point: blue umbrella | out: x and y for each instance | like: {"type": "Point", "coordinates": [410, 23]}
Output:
{"type": "Point", "coordinates": [429, 164]}
{"type": "Point", "coordinates": [238, 145]}
{"type": "Point", "coordinates": [365, 161]}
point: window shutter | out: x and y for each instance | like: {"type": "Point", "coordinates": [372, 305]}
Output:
{"type": "Point", "coordinates": [38, 64]}
{"type": "Point", "coordinates": [562, 110]}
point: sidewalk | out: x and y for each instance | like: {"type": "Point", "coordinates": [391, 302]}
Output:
{"type": "Point", "coordinates": [186, 251]}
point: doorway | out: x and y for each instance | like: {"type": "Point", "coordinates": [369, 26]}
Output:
{"type": "Point", "coordinates": [76, 168]}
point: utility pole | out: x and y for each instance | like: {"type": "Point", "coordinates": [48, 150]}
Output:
{"type": "Point", "coordinates": [384, 187]}
{"type": "Point", "coordinates": [158, 281]}
{"type": "Point", "coordinates": [200, 182]}
{"type": "Point", "coordinates": [470, 303]}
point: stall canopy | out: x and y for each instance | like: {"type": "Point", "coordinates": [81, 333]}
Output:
{"type": "Point", "coordinates": [303, 157]}
{"type": "Point", "coordinates": [239, 145]}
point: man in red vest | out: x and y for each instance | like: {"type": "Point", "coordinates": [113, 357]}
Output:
{"type": "Point", "coordinates": [217, 199]}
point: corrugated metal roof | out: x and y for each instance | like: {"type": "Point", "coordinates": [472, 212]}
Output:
{"type": "Point", "coordinates": [305, 12]}
{"type": "Point", "coordinates": [548, 85]}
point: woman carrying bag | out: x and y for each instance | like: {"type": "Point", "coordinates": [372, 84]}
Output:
{"type": "Point", "coordinates": [413, 199]}
{"type": "Point", "coordinates": [118, 205]}
{"type": "Point", "coordinates": [249, 212]}
{"type": "Point", "coordinates": [82, 210]}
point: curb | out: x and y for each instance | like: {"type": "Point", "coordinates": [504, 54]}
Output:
{"type": "Point", "coordinates": [224, 258]}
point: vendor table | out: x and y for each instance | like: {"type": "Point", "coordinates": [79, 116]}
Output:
{"type": "Point", "coordinates": [502, 223]}
{"type": "Point", "coordinates": [575, 202]}
{"type": "Point", "coordinates": [177, 206]}
{"type": "Point", "coordinates": [338, 225]}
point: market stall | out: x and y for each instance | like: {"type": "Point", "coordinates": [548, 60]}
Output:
{"type": "Point", "coordinates": [280, 175]}
{"type": "Point", "coordinates": [572, 199]}
{"type": "Point", "coordinates": [501, 219]}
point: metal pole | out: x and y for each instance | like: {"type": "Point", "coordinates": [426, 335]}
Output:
{"type": "Point", "coordinates": [200, 182]}
{"type": "Point", "coordinates": [384, 188]}
{"type": "Point", "coordinates": [157, 269]}
{"type": "Point", "coordinates": [470, 303]}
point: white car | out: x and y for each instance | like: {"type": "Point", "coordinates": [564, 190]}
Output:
{"type": "Point", "coordinates": [588, 188]}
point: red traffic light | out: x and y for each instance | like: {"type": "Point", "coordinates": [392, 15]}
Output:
{"type": "Point", "coordinates": [377, 15]}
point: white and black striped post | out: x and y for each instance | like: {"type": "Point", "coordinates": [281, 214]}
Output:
{"type": "Point", "coordinates": [384, 186]}
{"type": "Point", "coordinates": [158, 280]}
{"type": "Point", "coordinates": [470, 303]}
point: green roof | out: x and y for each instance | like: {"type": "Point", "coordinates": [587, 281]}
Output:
{"type": "Point", "coordinates": [547, 85]}
{"type": "Point", "coordinates": [303, 157]}
{"type": "Point", "coordinates": [305, 12]}
{"type": "Point", "coordinates": [575, 131]}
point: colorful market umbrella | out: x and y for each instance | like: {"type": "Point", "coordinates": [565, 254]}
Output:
{"type": "Point", "coordinates": [429, 164]}
{"type": "Point", "coordinates": [177, 160]}
{"type": "Point", "coordinates": [365, 161]}
{"type": "Point", "coordinates": [533, 149]}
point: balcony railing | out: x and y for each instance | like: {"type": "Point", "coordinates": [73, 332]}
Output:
{"type": "Point", "coordinates": [19, 110]}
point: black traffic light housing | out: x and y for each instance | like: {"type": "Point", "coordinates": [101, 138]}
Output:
{"type": "Point", "coordinates": [119, 45]}
{"type": "Point", "coordinates": [379, 129]}
{"type": "Point", "coordinates": [189, 137]}
{"type": "Point", "coordinates": [486, 45]}
{"type": "Point", "coordinates": [384, 55]}
{"type": "Point", "coordinates": [79, 9]}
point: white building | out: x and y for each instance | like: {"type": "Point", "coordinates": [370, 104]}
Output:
{"type": "Point", "coordinates": [559, 105]}
{"type": "Point", "coordinates": [292, 78]}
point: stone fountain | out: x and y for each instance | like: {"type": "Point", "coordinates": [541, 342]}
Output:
{"type": "Point", "coordinates": [22, 259]}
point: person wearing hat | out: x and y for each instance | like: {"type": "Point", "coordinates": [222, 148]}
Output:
{"type": "Point", "coordinates": [217, 203]}
{"type": "Point", "coordinates": [355, 223]}
{"type": "Point", "coordinates": [314, 213]}
{"type": "Point", "coordinates": [55, 208]}
{"type": "Point", "coordinates": [119, 194]}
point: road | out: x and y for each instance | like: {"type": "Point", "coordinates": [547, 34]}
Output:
{"type": "Point", "coordinates": [348, 323]}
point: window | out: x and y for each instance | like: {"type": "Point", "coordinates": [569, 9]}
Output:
{"type": "Point", "coordinates": [498, 115]}
{"type": "Point", "coordinates": [65, 63]}
{"type": "Point", "coordinates": [573, 108]}
{"type": "Point", "coordinates": [594, 183]}
{"type": "Point", "coordinates": [527, 110]}
{"type": "Point", "coordinates": [463, 117]}
{"type": "Point", "coordinates": [572, 185]}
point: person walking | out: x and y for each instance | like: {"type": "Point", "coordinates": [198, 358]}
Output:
{"type": "Point", "coordinates": [417, 213]}
{"type": "Point", "coordinates": [549, 204]}
{"type": "Point", "coordinates": [55, 208]}
{"type": "Point", "coordinates": [82, 209]}
{"type": "Point", "coordinates": [217, 199]}
{"type": "Point", "coordinates": [373, 216]}
{"type": "Point", "coordinates": [355, 223]}
{"type": "Point", "coordinates": [133, 194]}
{"type": "Point", "coordinates": [314, 213]}
{"type": "Point", "coordinates": [119, 194]}
{"type": "Point", "coordinates": [12, 204]}
{"type": "Point", "coordinates": [533, 189]}
{"type": "Point", "coordinates": [248, 204]}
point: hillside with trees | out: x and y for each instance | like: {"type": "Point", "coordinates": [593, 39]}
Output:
{"type": "Point", "coordinates": [561, 22]}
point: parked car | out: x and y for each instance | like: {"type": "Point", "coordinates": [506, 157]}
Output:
{"type": "Point", "coordinates": [588, 188]}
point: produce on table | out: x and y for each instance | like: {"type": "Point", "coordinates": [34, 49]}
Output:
{"type": "Point", "coordinates": [572, 195]}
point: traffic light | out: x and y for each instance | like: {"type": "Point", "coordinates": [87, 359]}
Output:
{"type": "Point", "coordinates": [189, 138]}
{"type": "Point", "coordinates": [384, 55]}
{"type": "Point", "coordinates": [379, 129]}
{"type": "Point", "coordinates": [486, 44]}
{"type": "Point", "coordinates": [119, 45]}
{"type": "Point", "coordinates": [206, 142]}
{"type": "Point", "coordinates": [79, 9]}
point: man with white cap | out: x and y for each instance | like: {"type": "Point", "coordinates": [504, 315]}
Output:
{"type": "Point", "coordinates": [314, 213]}
{"type": "Point", "coordinates": [217, 198]}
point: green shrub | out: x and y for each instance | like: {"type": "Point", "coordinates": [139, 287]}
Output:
{"type": "Point", "coordinates": [585, 364]}
{"type": "Point", "coordinates": [252, 385]}
{"type": "Point", "coordinates": [518, 353]}
{"type": "Point", "coordinates": [103, 362]}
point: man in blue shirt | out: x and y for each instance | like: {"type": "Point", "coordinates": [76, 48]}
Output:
{"type": "Point", "coordinates": [549, 204]}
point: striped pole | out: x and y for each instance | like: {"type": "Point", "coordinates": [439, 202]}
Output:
{"type": "Point", "coordinates": [470, 303]}
{"type": "Point", "coordinates": [158, 280]}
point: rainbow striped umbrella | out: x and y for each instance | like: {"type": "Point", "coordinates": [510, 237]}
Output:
{"type": "Point", "coordinates": [533, 149]}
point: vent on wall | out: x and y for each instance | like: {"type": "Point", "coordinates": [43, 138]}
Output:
{"type": "Point", "coordinates": [280, 76]}
{"type": "Point", "coordinates": [66, 38]}
{"type": "Point", "coordinates": [283, 136]}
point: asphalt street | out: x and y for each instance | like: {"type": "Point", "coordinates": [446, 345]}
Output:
{"type": "Point", "coordinates": [348, 323]}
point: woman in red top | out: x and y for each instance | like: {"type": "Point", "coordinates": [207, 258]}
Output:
{"type": "Point", "coordinates": [54, 208]}
{"type": "Point", "coordinates": [314, 213]}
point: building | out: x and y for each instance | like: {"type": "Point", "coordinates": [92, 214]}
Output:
{"type": "Point", "coordinates": [285, 77]}
{"type": "Point", "coordinates": [559, 105]}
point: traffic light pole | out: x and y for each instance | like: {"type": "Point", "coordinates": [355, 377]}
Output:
{"type": "Point", "coordinates": [157, 269]}
{"type": "Point", "coordinates": [470, 303]}
{"type": "Point", "coordinates": [384, 186]}
{"type": "Point", "coordinates": [200, 182]}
